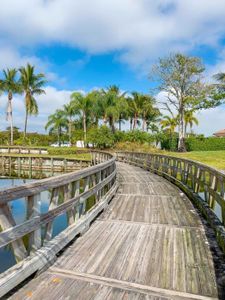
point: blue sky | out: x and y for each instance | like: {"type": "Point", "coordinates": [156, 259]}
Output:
{"type": "Point", "coordinates": [86, 44]}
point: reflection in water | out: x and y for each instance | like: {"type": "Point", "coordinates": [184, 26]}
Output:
{"type": "Point", "coordinates": [19, 209]}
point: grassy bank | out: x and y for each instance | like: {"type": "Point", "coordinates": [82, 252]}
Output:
{"type": "Point", "coordinates": [215, 159]}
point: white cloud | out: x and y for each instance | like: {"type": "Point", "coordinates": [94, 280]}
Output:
{"type": "Point", "coordinates": [210, 120]}
{"type": "Point", "coordinates": [142, 30]}
{"type": "Point", "coordinates": [48, 103]}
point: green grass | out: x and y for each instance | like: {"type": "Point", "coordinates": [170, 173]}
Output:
{"type": "Point", "coordinates": [215, 159]}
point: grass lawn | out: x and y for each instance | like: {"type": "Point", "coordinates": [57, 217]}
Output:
{"type": "Point", "coordinates": [215, 159]}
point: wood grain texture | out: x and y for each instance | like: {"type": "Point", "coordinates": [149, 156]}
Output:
{"type": "Point", "coordinates": [148, 244]}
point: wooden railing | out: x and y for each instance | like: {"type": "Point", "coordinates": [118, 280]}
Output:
{"type": "Point", "coordinates": [32, 163]}
{"type": "Point", "coordinates": [23, 150]}
{"type": "Point", "coordinates": [32, 241]}
{"type": "Point", "coordinates": [204, 185]}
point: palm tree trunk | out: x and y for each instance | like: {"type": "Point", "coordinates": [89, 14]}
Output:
{"type": "Point", "coordinates": [135, 121]}
{"type": "Point", "coordinates": [120, 121]}
{"type": "Point", "coordinates": [104, 119]}
{"type": "Point", "coordinates": [11, 129]}
{"type": "Point", "coordinates": [143, 124]}
{"type": "Point", "coordinates": [181, 143]}
{"type": "Point", "coordinates": [131, 123]}
{"type": "Point", "coordinates": [25, 126]}
{"type": "Point", "coordinates": [84, 127]}
{"type": "Point", "coordinates": [70, 131]}
{"type": "Point", "coordinates": [58, 134]}
{"type": "Point", "coordinates": [11, 119]}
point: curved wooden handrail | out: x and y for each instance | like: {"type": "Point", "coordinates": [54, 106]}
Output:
{"type": "Point", "coordinates": [69, 194]}
{"type": "Point", "coordinates": [204, 185]}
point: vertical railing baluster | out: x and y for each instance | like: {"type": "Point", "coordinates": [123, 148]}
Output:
{"type": "Point", "coordinates": [34, 210]}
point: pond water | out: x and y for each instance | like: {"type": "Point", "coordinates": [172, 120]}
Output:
{"type": "Point", "coordinates": [19, 212]}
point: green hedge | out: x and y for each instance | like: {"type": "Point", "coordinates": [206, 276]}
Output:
{"type": "Point", "coordinates": [205, 144]}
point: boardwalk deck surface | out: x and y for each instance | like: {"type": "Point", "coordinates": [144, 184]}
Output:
{"type": "Point", "coordinates": [149, 244]}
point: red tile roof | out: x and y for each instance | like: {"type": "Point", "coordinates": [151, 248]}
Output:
{"type": "Point", "coordinates": [220, 133]}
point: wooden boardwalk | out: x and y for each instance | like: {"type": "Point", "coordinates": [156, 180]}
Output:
{"type": "Point", "coordinates": [150, 243]}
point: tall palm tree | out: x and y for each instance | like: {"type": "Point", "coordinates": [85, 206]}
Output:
{"type": "Point", "coordinates": [10, 85]}
{"type": "Point", "coordinates": [113, 106]}
{"type": "Point", "coordinates": [70, 111]}
{"type": "Point", "coordinates": [189, 119]}
{"type": "Point", "coordinates": [135, 108]}
{"type": "Point", "coordinates": [83, 104]}
{"type": "Point", "coordinates": [56, 123]}
{"type": "Point", "coordinates": [32, 85]}
{"type": "Point", "coordinates": [148, 111]}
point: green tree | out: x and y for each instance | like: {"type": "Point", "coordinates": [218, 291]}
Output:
{"type": "Point", "coordinates": [135, 109]}
{"type": "Point", "coordinates": [11, 86]}
{"type": "Point", "coordinates": [149, 113]}
{"type": "Point", "coordinates": [113, 106]}
{"type": "Point", "coordinates": [179, 76]}
{"type": "Point", "coordinates": [169, 123]}
{"type": "Point", "coordinates": [189, 119]}
{"type": "Point", "coordinates": [70, 112]}
{"type": "Point", "coordinates": [83, 104]}
{"type": "Point", "coordinates": [56, 123]}
{"type": "Point", "coordinates": [32, 85]}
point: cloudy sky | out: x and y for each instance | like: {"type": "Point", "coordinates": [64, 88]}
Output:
{"type": "Point", "coordinates": [84, 44]}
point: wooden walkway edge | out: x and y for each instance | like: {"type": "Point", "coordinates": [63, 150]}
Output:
{"type": "Point", "coordinates": [150, 243]}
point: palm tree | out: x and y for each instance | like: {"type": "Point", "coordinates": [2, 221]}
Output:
{"type": "Point", "coordinates": [10, 85]}
{"type": "Point", "coordinates": [70, 111]}
{"type": "Point", "coordinates": [169, 123]}
{"type": "Point", "coordinates": [113, 106]}
{"type": "Point", "coordinates": [83, 104]}
{"type": "Point", "coordinates": [148, 111]}
{"type": "Point", "coordinates": [189, 119]}
{"type": "Point", "coordinates": [31, 85]}
{"type": "Point", "coordinates": [135, 108]}
{"type": "Point", "coordinates": [56, 123]}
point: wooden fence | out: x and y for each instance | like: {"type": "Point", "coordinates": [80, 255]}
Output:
{"type": "Point", "coordinates": [204, 185]}
{"type": "Point", "coordinates": [25, 163]}
{"type": "Point", "coordinates": [70, 194]}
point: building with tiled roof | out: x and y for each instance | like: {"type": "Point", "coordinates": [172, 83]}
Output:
{"type": "Point", "coordinates": [220, 133]}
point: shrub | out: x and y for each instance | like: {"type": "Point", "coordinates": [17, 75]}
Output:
{"type": "Point", "coordinates": [101, 137]}
{"type": "Point", "coordinates": [135, 136]}
{"type": "Point", "coordinates": [65, 151]}
{"type": "Point", "coordinates": [205, 144]}
{"type": "Point", "coordinates": [168, 141]}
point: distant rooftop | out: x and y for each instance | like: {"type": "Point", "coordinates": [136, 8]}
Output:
{"type": "Point", "coordinates": [220, 133]}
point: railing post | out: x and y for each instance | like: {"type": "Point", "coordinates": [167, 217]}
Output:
{"type": "Point", "coordinates": [77, 192]}
{"type": "Point", "coordinates": [53, 204]}
{"type": "Point", "coordinates": [34, 210]}
{"type": "Point", "coordinates": [86, 188]}
{"type": "Point", "coordinates": [67, 196]}
{"type": "Point", "coordinates": [7, 221]}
